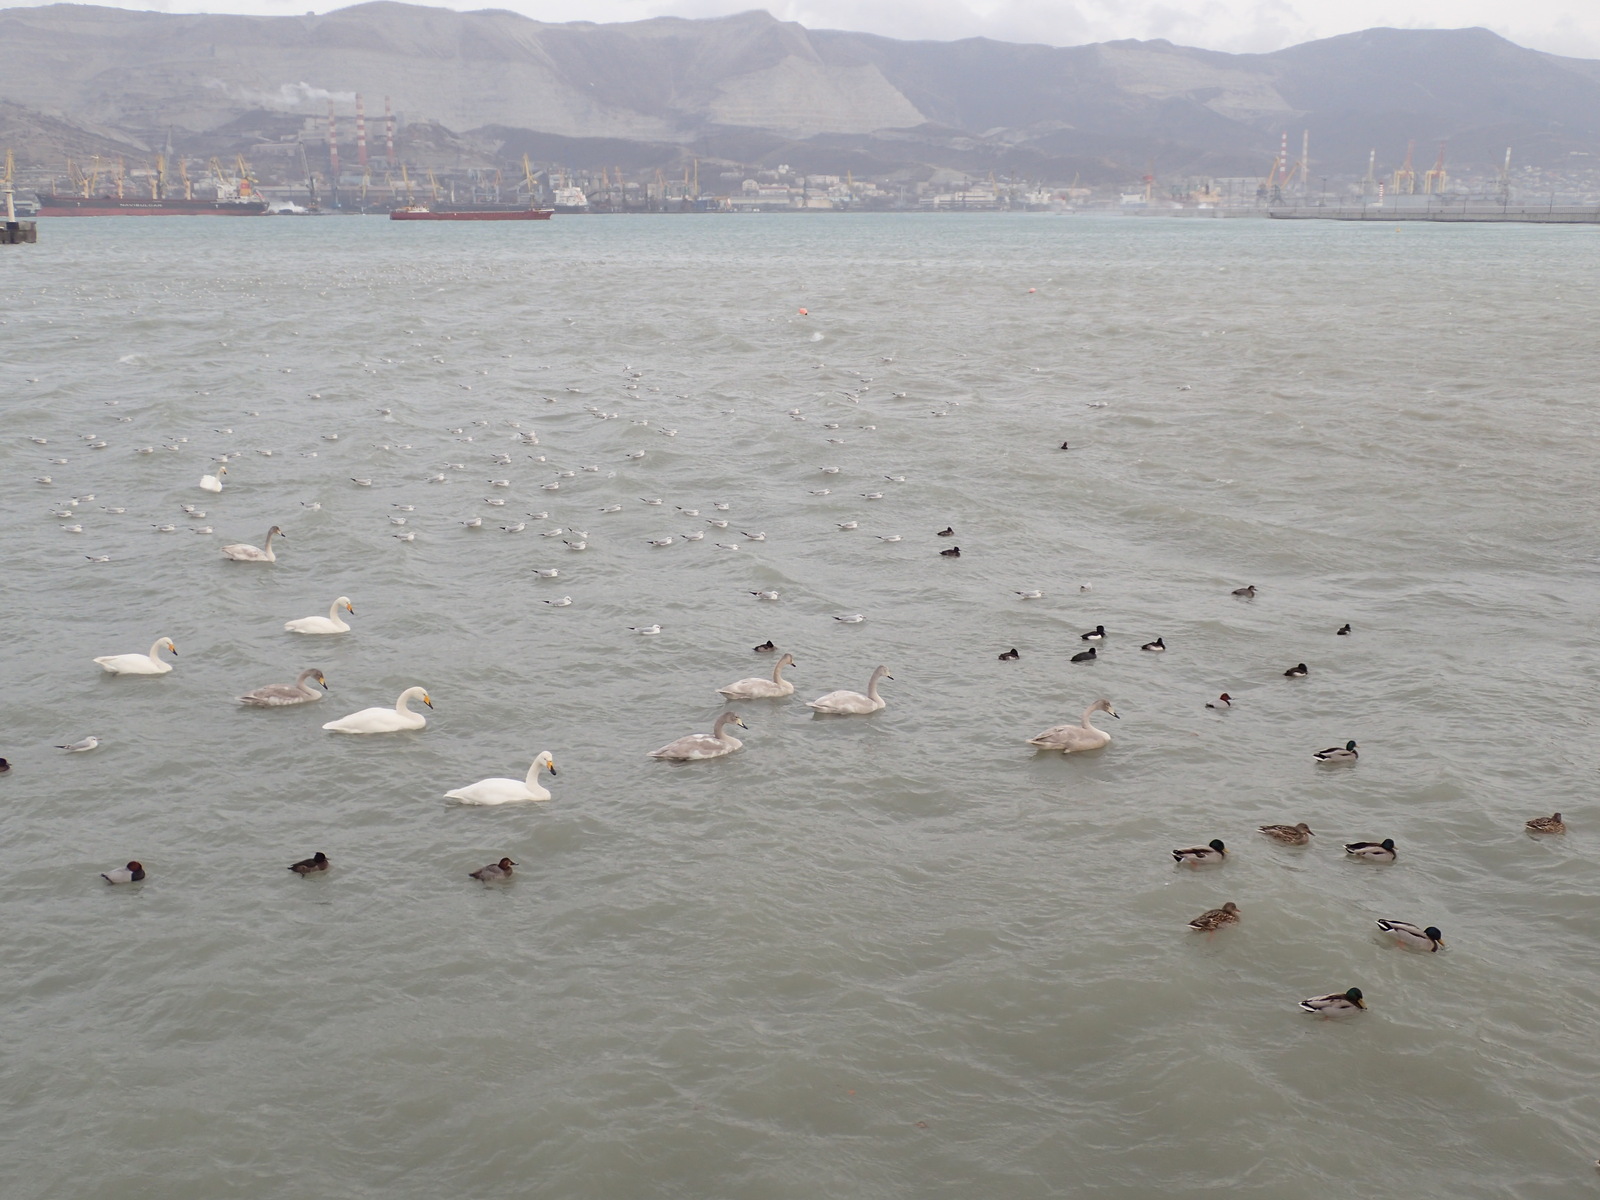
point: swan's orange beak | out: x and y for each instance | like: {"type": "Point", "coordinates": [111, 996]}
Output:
{"type": "Point", "coordinates": [427, 701]}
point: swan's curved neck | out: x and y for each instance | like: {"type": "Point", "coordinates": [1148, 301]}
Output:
{"type": "Point", "coordinates": [155, 650]}
{"type": "Point", "coordinates": [271, 533]}
{"type": "Point", "coordinates": [1089, 712]}
{"type": "Point", "coordinates": [333, 613]}
{"type": "Point", "coordinates": [872, 684]}
{"type": "Point", "coordinates": [777, 671]}
{"type": "Point", "coordinates": [403, 704]}
{"type": "Point", "coordinates": [533, 774]}
{"type": "Point", "coordinates": [718, 730]}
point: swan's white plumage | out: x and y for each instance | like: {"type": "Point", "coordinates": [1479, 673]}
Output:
{"type": "Point", "coordinates": [385, 720]}
{"type": "Point", "coordinates": [139, 664]}
{"type": "Point", "coordinates": [507, 791]}
{"type": "Point", "coordinates": [332, 623]}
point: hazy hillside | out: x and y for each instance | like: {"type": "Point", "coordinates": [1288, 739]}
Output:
{"type": "Point", "coordinates": [750, 88]}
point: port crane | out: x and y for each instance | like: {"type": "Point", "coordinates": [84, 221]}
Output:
{"type": "Point", "coordinates": [1406, 177]}
{"type": "Point", "coordinates": [1434, 179]}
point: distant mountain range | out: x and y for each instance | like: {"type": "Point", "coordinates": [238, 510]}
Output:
{"type": "Point", "coordinates": [751, 89]}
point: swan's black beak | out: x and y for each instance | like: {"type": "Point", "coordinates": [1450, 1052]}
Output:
{"type": "Point", "coordinates": [551, 767]}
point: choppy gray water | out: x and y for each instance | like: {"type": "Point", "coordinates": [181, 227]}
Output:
{"type": "Point", "coordinates": [894, 956]}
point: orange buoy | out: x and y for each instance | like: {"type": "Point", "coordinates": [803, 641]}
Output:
{"type": "Point", "coordinates": [1031, 291]}
{"type": "Point", "coordinates": [804, 313]}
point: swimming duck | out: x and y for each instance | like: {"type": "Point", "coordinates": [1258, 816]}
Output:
{"type": "Point", "coordinates": [1222, 701]}
{"type": "Point", "coordinates": [1097, 634]}
{"type": "Point", "coordinates": [1376, 851]}
{"type": "Point", "coordinates": [1065, 446]}
{"type": "Point", "coordinates": [1550, 824]}
{"type": "Point", "coordinates": [1288, 835]}
{"type": "Point", "coordinates": [1010, 655]}
{"type": "Point", "coordinates": [1338, 754]}
{"type": "Point", "coordinates": [1414, 936]}
{"type": "Point", "coordinates": [499, 870]}
{"type": "Point", "coordinates": [132, 873]}
{"type": "Point", "coordinates": [947, 531]}
{"type": "Point", "coordinates": [1070, 738]}
{"type": "Point", "coordinates": [1213, 852]}
{"type": "Point", "coordinates": [308, 866]}
{"type": "Point", "coordinates": [1249, 592]}
{"type": "Point", "coordinates": [1216, 918]}
{"type": "Point", "coordinates": [1298, 671]}
{"type": "Point", "coordinates": [766, 647]}
{"type": "Point", "coordinates": [1335, 1002]}
{"type": "Point", "coordinates": [1088, 655]}
{"type": "Point", "coordinates": [953, 552]}
{"type": "Point", "coordinates": [1343, 631]}
{"type": "Point", "coordinates": [1158, 646]}
{"type": "Point", "coordinates": [5, 766]}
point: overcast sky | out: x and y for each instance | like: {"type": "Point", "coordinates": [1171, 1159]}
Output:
{"type": "Point", "coordinates": [1561, 26]}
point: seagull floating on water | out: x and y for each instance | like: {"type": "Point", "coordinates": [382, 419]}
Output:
{"type": "Point", "coordinates": [83, 747]}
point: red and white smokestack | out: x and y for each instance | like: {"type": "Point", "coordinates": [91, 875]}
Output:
{"type": "Point", "coordinates": [388, 128]}
{"type": "Point", "coordinates": [333, 147]}
{"type": "Point", "coordinates": [361, 133]}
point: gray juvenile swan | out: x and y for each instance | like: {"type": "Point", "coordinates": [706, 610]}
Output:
{"type": "Point", "coordinates": [757, 688]}
{"type": "Point", "coordinates": [1082, 736]}
{"type": "Point", "coordinates": [240, 552]}
{"type": "Point", "coordinates": [276, 695]}
{"type": "Point", "coordinates": [853, 703]}
{"type": "Point", "coordinates": [704, 745]}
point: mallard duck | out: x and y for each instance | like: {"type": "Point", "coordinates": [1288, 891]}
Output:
{"type": "Point", "coordinates": [1088, 655]}
{"type": "Point", "coordinates": [1213, 852]}
{"type": "Point", "coordinates": [1377, 851]}
{"type": "Point", "coordinates": [1248, 592]}
{"type": "Point", "coordinates": [1216, 918]}
{"type": "Point", "coordinates": [1156, 647]}
{"type": "Point", "coordinates": [1337, 754]}
{"type": "Point", "coordinates": [1289, 835]}
{"type": "Point", "coordinates": [1222, 701]}
{"type": "Point", "coordinates": [1550, 824]}
{"type": "Point", "coordinates": [499, 870]}
{"type": "Point", "coordinates": [1335, 1002]}
{"type": "Point", "coordinates": [1298, 671]}
{"type": "Point", "coordinates": [1414, 936]}
{"type": "Point", "coordinates": [309, 866]}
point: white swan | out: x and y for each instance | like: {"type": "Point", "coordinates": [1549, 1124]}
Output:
{"type": "Point", "coordinates": [507, 791]}
{"type": "Point", "coordinates": [278, 695]}
{"type": "Point", "coordinates": [1082, 736]}
{"type": "Point", "coordinates": [847, 703]}
{"type": "Point", "coordinates": [241, 552]}
{"type": "Point", "coordinates": [332, 623]}
{"type": "Point", "coordinates": [757, 688]}
{"type": "Point", "coordinates": [704, 745]}
{"type": "Point", "coordinates": [385, 720]}
{"type": "Point", "coordinates": [213, 483]}
{"type": "Point", "coordinates": [139, 664]}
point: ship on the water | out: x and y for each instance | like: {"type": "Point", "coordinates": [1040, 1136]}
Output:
{"type": "Point", "coordinates": [112, 206]}
{"type": "Point", "coordinates": [229, 197]}
{"type": "Point", "coordinates": [418, 212]}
